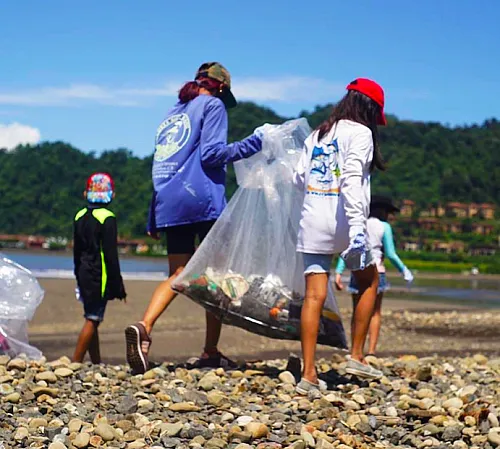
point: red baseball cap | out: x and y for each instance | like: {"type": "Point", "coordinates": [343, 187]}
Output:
{"type": "Point", "coordinates": [372, 90]}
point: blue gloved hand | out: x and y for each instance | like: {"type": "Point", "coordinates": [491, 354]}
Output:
{"type": "Point", "coordinates": [355, 255]}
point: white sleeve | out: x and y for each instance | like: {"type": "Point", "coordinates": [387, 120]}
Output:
{"type": "Point", "coordinates": [358, 155]}
{"type": "Point", "coordinates": [299, 175]}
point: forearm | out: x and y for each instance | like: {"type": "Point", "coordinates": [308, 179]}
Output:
{"type": "Point", "coordinates": [220, 154]}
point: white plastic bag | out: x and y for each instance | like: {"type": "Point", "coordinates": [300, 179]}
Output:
{"type": "Point", "coordinates": [247, 270]}
{"type": "Point", "coordinates": [20, 295]}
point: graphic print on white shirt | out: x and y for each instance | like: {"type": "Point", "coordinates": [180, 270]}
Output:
{"type": "Point", "coordinates": [324, 172]}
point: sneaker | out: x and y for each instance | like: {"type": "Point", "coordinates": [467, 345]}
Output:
{"type": "Point", "coordinates": [217, 360]}
{"type": "Point", "coordinates": [138, 343]}
{"type": "Point", "coordinates": [304, 387]}
{"type": "Point", "coordinates": [361, 370]}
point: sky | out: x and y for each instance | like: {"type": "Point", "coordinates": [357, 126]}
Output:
{"type": "Point", "coordinates": [102, 74]}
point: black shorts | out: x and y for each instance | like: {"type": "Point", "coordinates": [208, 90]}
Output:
{"type": "Point", "coordinates": [182, 239]}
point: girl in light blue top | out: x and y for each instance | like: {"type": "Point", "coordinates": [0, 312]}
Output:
{"type": "Point", "coordinates": [381, 241]}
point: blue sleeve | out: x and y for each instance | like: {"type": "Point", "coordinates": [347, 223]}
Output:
{"type": "Point", "coordinates": [340, 266]}
{"type": "Point", "coordinates": [215, 152]}
{"type": "Point", "coordinates": [389, 248]}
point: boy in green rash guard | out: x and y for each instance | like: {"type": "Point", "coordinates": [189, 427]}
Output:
{"type": "Point", "coordinates": [382, 246]}
{"type": "Point", "coordinates": [97, 268]}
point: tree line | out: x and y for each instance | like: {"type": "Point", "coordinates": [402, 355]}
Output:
{"type": "Point", "coordinates": [41, 186]}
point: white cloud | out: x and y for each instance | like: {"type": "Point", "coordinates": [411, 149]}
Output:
{"type": "Point", "coordinates": [286, 89]}
{"type": "Point", "coordinates": [74, 94]}
{"type": "Point", "coordinates": [15, 134]}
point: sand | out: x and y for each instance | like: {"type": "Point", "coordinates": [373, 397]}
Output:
{"type": "Point", "coordinates": [410, 327]}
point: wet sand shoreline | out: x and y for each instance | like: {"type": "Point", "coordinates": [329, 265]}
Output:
{"type": "Point", "coordinates": [163, 265]}
{"type": "Point", "coordinates": [417, 327]}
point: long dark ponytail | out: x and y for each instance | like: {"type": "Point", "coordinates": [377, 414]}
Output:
{"type": "Point", "coordinates": [359, 108]}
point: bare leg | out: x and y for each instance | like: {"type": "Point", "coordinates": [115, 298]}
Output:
{"type": "Point", "coordinates": [94, 349]}
{"type": "Point", "coordinates": [212, 334]}
{"type": "Point", "coordinates": [367, 281]}
{"type": "Point", "coordinates": [85, 339]}
{"type": "Point", "coordinates": [164, 295]}
{"type": "Point", "coordinates": [355, 300]}
{"type": "Point", "coordinates": [137, 336]}
{"type": "Point", "coordinates": [316, 291]}
{"type": "Point", "coordinates": [375, 324]}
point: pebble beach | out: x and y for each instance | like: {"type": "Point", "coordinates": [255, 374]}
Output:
{"type": "Point", "coordinates": [440, 389]}
{"type": "Point", "coordinates": [420, 402]}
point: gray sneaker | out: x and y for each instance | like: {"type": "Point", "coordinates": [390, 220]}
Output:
{"type": "Point", "coordinates": [361, 370]}
{"type": "Point", "coordinates": [304, 387]}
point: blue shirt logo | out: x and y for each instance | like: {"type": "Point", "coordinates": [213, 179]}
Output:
{"type": "Point", "coordinates": [171, 137]}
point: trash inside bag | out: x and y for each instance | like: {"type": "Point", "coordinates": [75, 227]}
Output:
{"type": "Point", "coordinates": [20, 295]}
{"type": "Point", "coordinates": [247, 270]}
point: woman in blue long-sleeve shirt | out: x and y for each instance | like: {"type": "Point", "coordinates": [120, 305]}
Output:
{"type": "Point", "coordinates": [189, 176]}
{"type": "Point", "coordinates": [382, 247]}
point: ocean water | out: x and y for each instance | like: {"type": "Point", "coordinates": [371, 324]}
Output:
{"type": "Point", "coordinates": [471, 291]}
{"type": "Point", "coordinates": [60, 265]}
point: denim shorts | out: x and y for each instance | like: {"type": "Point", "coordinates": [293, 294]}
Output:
{"type": "Point", "coordinates": [317, 263]}
{"type": "Point", "coordinates": [383, 285]}
{"type": "Point", "coordinates": [94, 310]}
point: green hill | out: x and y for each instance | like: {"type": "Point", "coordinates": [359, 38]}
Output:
{"type": "Point", "coordinates": [41, 186]}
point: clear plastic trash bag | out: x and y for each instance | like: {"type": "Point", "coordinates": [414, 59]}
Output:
{"type": "Point", "coordinates": [20, 295]}
{"type": "Point", "coordinates": [247, 270]}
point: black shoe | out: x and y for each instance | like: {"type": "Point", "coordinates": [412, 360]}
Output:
{"type": "Point", "coordinates": [217, 360]}
{"type": "Point", "coordinates": [294, 365]}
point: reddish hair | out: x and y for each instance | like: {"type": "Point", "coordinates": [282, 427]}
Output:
{"type": "Point", "coordinates": [191, 89]}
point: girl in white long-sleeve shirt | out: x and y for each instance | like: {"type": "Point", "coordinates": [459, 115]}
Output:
{"type": "Point", "coordinates": [334, 172]}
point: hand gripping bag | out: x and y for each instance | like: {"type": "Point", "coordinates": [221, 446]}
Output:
{"type": "Point", "coordinates": [247, 270]}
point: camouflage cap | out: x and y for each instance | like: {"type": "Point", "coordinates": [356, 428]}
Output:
{"type": "Point", "coordinates": [215, 71]}
{"type": "Point", "coordinates": [218, 72]}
